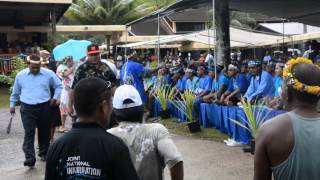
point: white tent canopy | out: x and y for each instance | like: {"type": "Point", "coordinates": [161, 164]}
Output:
{"type": "Point", "coordinates": [238, 38]}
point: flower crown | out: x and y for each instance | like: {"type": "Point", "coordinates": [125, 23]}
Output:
{"type": "Point", "coordinates": [294, 82]}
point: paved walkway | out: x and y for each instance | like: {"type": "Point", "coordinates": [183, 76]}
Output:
{"type": "Point", "coordinates": [203, 160]}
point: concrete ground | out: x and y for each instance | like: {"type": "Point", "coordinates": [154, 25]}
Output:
{"type": "Point", "coordinates": [203, 160]}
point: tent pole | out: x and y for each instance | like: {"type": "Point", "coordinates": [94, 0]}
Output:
{"type": "Point", "coordinates": [125, 49]}
{"type": "Point", "coordinates": [215, 42]}
{"type": "Point", "coordinates": [158, 53]}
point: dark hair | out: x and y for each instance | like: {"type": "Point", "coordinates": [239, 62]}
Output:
{"type": "Point", "coordinates": [308, 74]}
{"type": "Point", "coordinates": [88, 94]}
{"type": "Point", "coordinates": [134, 114]}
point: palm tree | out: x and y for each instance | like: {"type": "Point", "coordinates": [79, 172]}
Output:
{"type": "Point", "coordinates": [105, 12]}
{"type": "Point", "coordinates": [154, 5]}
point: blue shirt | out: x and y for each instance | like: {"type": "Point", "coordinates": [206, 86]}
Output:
{"type": "Point", "coordinates": [249, 77]}
{"type": "Point", "coordinates": [192, 85]}
{"type": "Point", "coordinates": [132, 73]}
{"type": "Point", "coordinates": [205, 84]}
{"type": "Point", "coordinates": [181, 85]}
{"type": "Point", "coordinates": [240, 82]}
{"type": "Point", "coordinates": [278, 86]}
{"type": "Point", "coordinates": [223, 80]}
{"type": "Point", "coordinates": [35, 89]}
{"type": "Point", "coordinates": [261, 86]}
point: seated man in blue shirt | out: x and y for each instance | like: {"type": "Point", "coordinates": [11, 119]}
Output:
{"type": "Point", "coordinates": [236, 88]}
{"type": "Point", "coordinates": [219, 85]}
{"type": "Point", "coordinates": [180, 80]}
{"type": "Point", "coordinates": [204, 88]}
{"type": "Point", "coordinates": [193, 81]}
{"type": "Point", "coordinates": [261, 85]}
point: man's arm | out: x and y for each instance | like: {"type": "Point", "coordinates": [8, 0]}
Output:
{"type": "Point", "coordinates": [235, 92]}
{"type": "Point", "coordinates": [262, 165]}
{"type": "Point", "coordinates": [168, 150]}
{"type": "Point", "coordinates": [176, 171]}
{"type": "Point", "coordinates": [16, 91]}
{"type": "Point", "coordinates": [57, 85]}
{"type": "Point", "coordinates": [250, 90]}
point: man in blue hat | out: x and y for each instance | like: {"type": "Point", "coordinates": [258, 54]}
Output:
{"type": "Point", "coordinates": [261, 84]}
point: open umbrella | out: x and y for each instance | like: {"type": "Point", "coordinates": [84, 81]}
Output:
{"type": "Point", "coordinates": [75, 48]}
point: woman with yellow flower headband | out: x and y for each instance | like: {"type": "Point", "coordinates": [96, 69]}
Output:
{"type": "Point", "coordinates": [287, 146]}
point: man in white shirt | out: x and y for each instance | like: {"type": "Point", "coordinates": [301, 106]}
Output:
{"type": "Point", "coordinates": [150, 145]}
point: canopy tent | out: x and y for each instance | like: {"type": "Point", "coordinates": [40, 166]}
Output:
{"type": "Point", "coordinates": [304, 11]}
{"type": "Point", "coordinates": [238, 38]}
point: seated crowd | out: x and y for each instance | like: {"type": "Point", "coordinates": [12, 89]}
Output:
{"type": "Point", "coordinates": [256, 81]}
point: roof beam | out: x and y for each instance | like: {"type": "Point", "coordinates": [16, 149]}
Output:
{"type": "Point", "coordinates": [40, 1]}
{"type": "Point", "coordinates": [90, 28]}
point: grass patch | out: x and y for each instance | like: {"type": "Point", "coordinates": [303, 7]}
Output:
{"type": "Point", "coordinates": [182, 129]}
{"type": "Point", "coordinates": [4, 98]}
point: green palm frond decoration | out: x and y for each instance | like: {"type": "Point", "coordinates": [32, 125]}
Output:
{"type": "Point", "coordinates": [185, 104]}
{"type": "Point", "coordinates": [164, 95]}
{"type": "Point", "coordinates": [254, 117]}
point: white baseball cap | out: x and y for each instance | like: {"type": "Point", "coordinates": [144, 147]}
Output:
{"type": "Point", "coordinates": [126, 96]}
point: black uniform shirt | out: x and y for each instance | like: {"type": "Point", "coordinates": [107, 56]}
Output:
{"type": "Point", "coordinates": [89, 152]}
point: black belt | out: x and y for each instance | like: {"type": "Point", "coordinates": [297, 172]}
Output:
{"type": "Point", "coordinates": [35, 105]}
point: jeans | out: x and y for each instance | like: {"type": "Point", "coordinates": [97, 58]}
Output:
{"type": "Point", "coordinates": [196, 107]}
{"type": "Point", "coordinates": [35, 116]}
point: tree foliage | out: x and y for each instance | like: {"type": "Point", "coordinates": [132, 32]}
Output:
{"type": "Point", "coordinates": [105, 12]}
{"type": "Point", "coordinates": [8, 79]}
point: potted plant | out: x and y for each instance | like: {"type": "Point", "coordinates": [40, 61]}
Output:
{"type": "Point", "coordinates": [164, 95]}
{"type": "Point", "coordinates": [254, 118]}
{"type": "Point", "coordinates": [185, 105]}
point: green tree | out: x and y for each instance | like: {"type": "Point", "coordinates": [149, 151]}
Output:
{"type": "Point", "coordinates": [241, 19]}
{"type": "Point", "coordinates": [153, 5]}
{"type": "Point", "coordinates": [105, 12]}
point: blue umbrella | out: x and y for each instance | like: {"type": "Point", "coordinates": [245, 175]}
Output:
{"type": "Point", "coordinates": [75, 48]}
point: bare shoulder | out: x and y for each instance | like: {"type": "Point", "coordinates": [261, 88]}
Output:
{"type": "Point", "coordinates": [275, 128]}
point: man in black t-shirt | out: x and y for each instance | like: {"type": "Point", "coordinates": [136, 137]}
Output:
{"type": "Point", "coordinates": [87, 151]}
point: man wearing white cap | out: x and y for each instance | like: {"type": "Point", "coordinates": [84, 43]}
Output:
{"type": "Point", "coordinates": [150, 145]}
